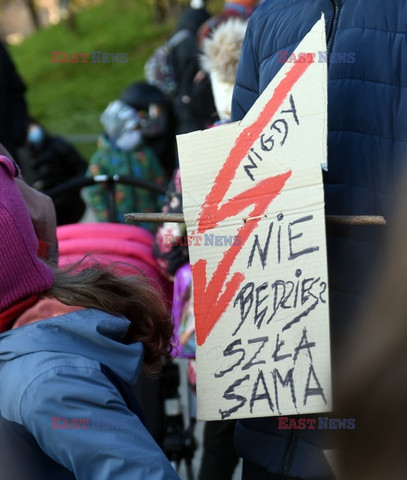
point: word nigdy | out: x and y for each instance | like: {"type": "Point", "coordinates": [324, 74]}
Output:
{"type": "Point", "coordinates": [209, 240]}
{"type": "Point", "coordinates": [83, 57]}
{"type": "Point", "coordinates": [323, 57]}
{"type": "Point", "coordinates": [277, 135]}
{"type": "Point", "coordinates": [324, 423]}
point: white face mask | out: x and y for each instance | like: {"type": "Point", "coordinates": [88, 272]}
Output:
{"type": "Point", "coordinates": [129, 140]}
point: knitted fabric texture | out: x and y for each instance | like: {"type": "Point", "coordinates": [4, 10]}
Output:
{"type": "Point", "coordinates": [22, 273]}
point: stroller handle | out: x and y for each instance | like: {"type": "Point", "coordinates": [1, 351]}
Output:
{"type": "Point", "coordinates": [78, 183]}
{"type": "Point", "coordinates": [109, 182]}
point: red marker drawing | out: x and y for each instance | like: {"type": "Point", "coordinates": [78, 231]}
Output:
{"type": "Point", "coordinates": [214, 296]}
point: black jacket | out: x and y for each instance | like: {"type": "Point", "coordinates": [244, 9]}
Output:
{"type": "Point", "coordinates": [193, 102]}
{"type": "Point", "coordinates": [13, 108]}
{"type": "Point", "coordinates": [52, 164]}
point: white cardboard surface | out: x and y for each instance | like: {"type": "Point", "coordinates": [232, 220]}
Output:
{"type": "Point", "coordinates": [261, 305]}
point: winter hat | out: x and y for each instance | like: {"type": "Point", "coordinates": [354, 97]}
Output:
{"type": "Point", "coordinates": [119, 117]}
{"type": "Point", "coordinates": [197, 4]}
{"type": "Point", "coordinates": [247, 4]}
{"type": "Point", "coordinates": [238, 9]}
{"type": "Point", "coordinates": [22, 273]}
{"type": "Point", "coordinates": [220, 56]}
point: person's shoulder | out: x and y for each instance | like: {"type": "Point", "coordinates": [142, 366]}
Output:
{"type": "Point", "coordinates": [270, 10]}
{"type": "Point", "coordinates": [37, 368]}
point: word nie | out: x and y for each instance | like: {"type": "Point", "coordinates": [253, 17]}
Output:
{"type": "Point", "coordinates": [209, 240]}
{"type": "Point", "coordinates": [297, 295]}
{"type": "Point", "coordinates": [323, 57]}
{"type": "Point", "coordinates": [83, 57]}
{"type": "Point", "coordinates": [324, 423]}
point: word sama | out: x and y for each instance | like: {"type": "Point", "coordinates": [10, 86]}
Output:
{"type": "Point", "coordinates": [266, 383]}
{"type": "Point", "coordinates": [83, 57]}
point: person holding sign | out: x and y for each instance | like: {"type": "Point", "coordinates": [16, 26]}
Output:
{"type": "Point", "coordinates": [367, 147]}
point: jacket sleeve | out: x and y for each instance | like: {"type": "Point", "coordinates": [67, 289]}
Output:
{"type": "Point", "coordinates": [80, 420]}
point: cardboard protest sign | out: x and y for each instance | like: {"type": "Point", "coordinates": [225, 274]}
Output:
{"type": "Point", "coordinates": [254, 209]}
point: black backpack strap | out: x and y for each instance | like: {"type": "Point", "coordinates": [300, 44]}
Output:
{"type": "Point", "coordinates": [125, 391]}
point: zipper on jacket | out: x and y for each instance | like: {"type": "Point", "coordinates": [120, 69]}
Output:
{"type": "Point", "coordinates": [334, 28]}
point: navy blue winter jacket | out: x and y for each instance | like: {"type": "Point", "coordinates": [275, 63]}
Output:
{"type": "Point", "coordinates": [367, 148]}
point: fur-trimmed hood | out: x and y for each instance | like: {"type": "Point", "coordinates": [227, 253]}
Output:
{"type": "Point", "coordinates": [220, 53]}
{"type": "Point", "coordinates": [219, 58]}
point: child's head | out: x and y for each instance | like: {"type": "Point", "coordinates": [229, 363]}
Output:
{"type": "Point", "coordinates": [121, 123]}
{"type": "Point", "coordinates": [22, 273]}
{"type": "Point", "coordinates": [152, 106]}
{"type": "Point", "coordinates": [91, 284]}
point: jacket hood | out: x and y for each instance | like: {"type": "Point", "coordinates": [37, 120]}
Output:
{"type": "Point", "coordinates": [221, 51]}
{"type": "Point", "coordinates": [220, 56]}
{"type": "Point", "coordinates": [88, 333]}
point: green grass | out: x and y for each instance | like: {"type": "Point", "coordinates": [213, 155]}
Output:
{"type": "Point", "coordinates": [69, 97]}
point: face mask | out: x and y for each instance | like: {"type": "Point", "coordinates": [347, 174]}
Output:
{"type": "Point", "coordinates": [129, 140]}
{"type": "Point", "coordinates": [36, 135]}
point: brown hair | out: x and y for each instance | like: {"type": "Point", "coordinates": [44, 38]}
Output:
{"type": "Point", "coordinates": [91, 285]}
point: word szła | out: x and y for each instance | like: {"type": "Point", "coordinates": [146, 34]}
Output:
{"type": "Point", "coordinates": [86, 57]}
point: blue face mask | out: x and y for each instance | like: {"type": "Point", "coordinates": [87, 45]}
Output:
{"type": "Point", "coordinates": [36, 135]}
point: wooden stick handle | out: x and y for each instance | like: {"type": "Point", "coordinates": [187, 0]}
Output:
{"type": "Point", "coordinates": [333, 219]}
{"type": "Point", "coordinates": [356, 219]}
